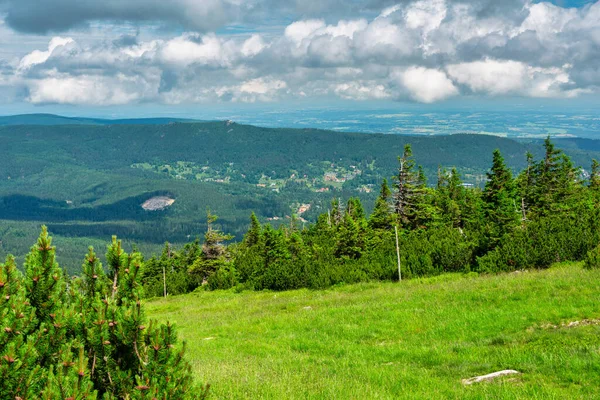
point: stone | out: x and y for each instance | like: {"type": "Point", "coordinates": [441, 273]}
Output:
{"type": "Point", "coordinates": [489, 377]}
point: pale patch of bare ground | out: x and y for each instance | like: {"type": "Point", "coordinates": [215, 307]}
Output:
{"type": "Point", "coordinates": [158, 203]}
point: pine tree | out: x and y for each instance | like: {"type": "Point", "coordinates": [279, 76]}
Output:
{"type": "Point", "coordinates": [88, 339]}
{"type": "Point", "coordinates": [20, 372]}
{"type": "Point", "coordinates": [44, 279]}
{"type": "Point", "coordinates": [450, 199]}
{"type": "Point", "coordinates": [349, 239]}
{"type": "Point", "coordinates": [381, 218]}
{"type": "Point", "coordinates": [526, 188]}
{"type": "Point", "coordinates": [214, 252]}
{"type": "Point", "coordinates": [253, 235]}
{"type": "Point", "coordinates": [553, 183]}
{"type": "Point", "coordinates": [499, 198]}
{"type": "Point", "coordinates": [406, 192]}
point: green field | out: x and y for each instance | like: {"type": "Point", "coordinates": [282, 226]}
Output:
{"type": "Point", "coordinates": [416, 339]}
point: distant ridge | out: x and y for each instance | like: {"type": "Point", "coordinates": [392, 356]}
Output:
{"type": "Point", "coordinates": [52, 120]}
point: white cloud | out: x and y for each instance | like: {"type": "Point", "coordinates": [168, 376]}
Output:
{"type": "Point", "coordinates": [362, 91]}
{"type": "Point", "coordinates": [39, 57]}
{"type": "Point", "coordinates": [546, 19]}
{"type": "Point", "coordinates": [490, 76]}
{"type": "Point", "coordinates": [301, 30]}
{"type": "Point", "coordinates": [495, 77]}
{"type": "Point", "coordinates": [187, 49]}
{"type": "Point", "coordinates": [262, 86]}
{"type": "Point", "coordinates": [90, 90]}
{"type": "Point", "coordinates": [252, 46]}
{"type": "Point", "coordinates": [425, 50]}
{"type": "Point", "coordinates": [425, 14]}
{"type": "Point", "coordinates": [427, 85]}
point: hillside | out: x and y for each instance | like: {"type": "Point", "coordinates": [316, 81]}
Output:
{"type": "Point", "coordinates": [52, 120]}
{"type": "Point", "coordinates": [90, 181]}
{"type": "Point", "coordinates": [416, 339]}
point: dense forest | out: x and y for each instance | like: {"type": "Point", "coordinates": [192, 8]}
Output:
{"type": "Point", "coordinates": [87, 182]}
{"type": "Point", "coordinates": [545, 214]}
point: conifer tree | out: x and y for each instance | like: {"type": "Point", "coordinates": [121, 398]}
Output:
{"type": "Point", "coordinates": [553, 182]}
{"type": "Point", "coordinates": [253, 235]}
{"type": "Point", "coordinates": [20, 372]}
{"type": "Point", "coordinates": [526, 188]}
{"type": "Point", "coordinates": [406, 191]}
{"type": "Point", "coordinates": [214, 252]}
{"type": "Point", "coordinates": [450, 199]}
{"type": "Point", "coordinates": [89, 339]}
{"type": "Point", "coordinates": [381, 218]}
{"type": "Point", "coordinates": [499, 198]}
{"type": "Point", "coordinates": [45, 285]}
{"type": "Point", "coordinates": [349, 241]}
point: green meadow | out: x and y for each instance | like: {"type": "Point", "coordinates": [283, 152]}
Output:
{"type": "Point", "coordinates": [414, 339]}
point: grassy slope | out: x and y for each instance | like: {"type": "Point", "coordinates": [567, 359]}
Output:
{"type": "Point", "coordinates": [416, 339]}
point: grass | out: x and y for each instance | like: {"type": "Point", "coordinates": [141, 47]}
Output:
{"type": "Point", "coordinates": [416, 339]}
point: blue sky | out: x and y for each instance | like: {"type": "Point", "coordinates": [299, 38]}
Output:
{"type": "Point", "coordinates": [186, 58]}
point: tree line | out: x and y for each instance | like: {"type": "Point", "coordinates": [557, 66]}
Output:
{"type": "Point", "coordinates": [545, 214]}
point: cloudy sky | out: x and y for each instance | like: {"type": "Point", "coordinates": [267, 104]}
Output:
{"type": "Point", "coordinates": [90, 55]}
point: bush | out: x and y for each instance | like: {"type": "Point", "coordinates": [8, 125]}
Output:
{"type": "Point", "coordinates": [543, 243]}
{"type": "Point", "coordinates": [224, 278]}
{"type": "Point", "coordinates": [592, 259]}
{"type": "Point", "coordinates": [85, 338]}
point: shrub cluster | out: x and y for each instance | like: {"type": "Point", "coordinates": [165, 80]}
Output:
{"type": "Point", "coordinates": [86, 337]}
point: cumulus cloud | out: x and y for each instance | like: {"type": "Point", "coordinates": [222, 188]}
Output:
{"type": "Point", "coordinates": [427, 85]}
{"type": "Point", "coordinates": [424, 50]}
{"type": "Point", "coordinates": [89, 90]}
{"type": "Point", "coordinates": [39, 57]}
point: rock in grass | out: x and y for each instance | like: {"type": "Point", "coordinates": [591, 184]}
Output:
{"type": "Point", "coordinates": [489, 377]}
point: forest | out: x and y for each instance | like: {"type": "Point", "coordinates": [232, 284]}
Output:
{"type": "Point", "coordinates": [545, 214]}
{"type": "Point", "coordinates": [87, 182]}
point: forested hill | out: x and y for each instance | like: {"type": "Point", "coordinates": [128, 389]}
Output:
{"type": "Point", "coordinates": [90, 180]}
{"type": "Point", "coordinates": [217, 142]}
{"type": "Point", "coordinates": [51, 119]}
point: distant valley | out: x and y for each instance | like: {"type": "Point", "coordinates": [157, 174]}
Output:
{"type": "Point", "coordinates": [88, 179]}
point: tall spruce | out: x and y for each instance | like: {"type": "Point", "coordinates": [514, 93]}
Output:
{"type": "Point", "coordinates": [215, 254]}
{"type": "Point", "coordinates": [382, 218]}
{"type": "Point", "coordinates": [500, 201]}
{"type": "Point", "coordinates": [556, 181]}
{"type": "Point", "coordinates": [253, 235]}
{"type": "Point", "coordinates": [407, 193]}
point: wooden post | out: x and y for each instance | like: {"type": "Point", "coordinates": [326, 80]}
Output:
{"type": "Point", "coordinates": [164, 282]}
{"type": "Point", "coordinates": [398, 253]}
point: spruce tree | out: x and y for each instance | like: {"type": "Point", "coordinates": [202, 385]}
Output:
{"type": "Point", "coordinates": [555, 181]}
{"type": "Point", "coordinates": [406, 191]}
{"type": "Point", "coordinates": [253, 235]}
{"type": "Point", "coordinates": [215, 254]}
{"type": "Point", "coordinates": [499, 198]}
{"type": "Point", "coordinates": [349, 239]}
{"type": "Point", "coordinates": [381, 218]}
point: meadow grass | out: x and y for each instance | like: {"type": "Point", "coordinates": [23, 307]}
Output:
{"type": "Point", "coordinates": [414, 339]}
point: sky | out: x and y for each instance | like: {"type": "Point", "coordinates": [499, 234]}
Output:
{"type": "Point", "coordinates": [178, 57]}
